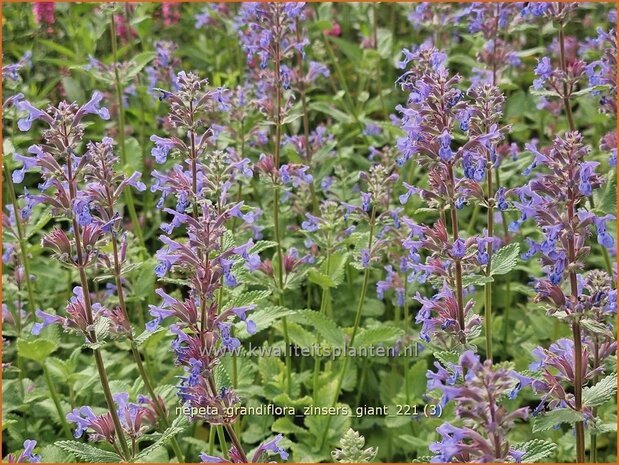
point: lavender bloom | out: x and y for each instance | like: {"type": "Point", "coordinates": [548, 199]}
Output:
{"type": "Point", "coordinates": [24, 124]}
{"type": "Point", "coordinates": [483, 436]}
{"type": "Point", "coordinates": [27, 456]}
{"type": "Point", "coordinates": [162, 148]}
{"type": "Point", "coordinates": [273, 446]}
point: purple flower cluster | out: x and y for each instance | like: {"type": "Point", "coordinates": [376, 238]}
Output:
{"type": "Point", "coordinates": [477, 390]}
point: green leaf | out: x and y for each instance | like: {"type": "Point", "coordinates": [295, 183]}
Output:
{"type": "Point", "coordinates": [246, 298]}
{"type": "Point", "coordinates": [476, 280]}
{"type": "Point", "coordinates": [555, 417]}
{"type": "Point", "coordinates": [596, 327]}
{"type": "Point", "coordinates": [321, 279]}
{"type": "Point", "coordinates": [264, 319]}
{"type": "Point", "coordinates": [373, 336]}
{"type": "Point", "coordinates": [58, 48]}
{"type": "Point", "coordinates": [325, 326]}
{"type": "Point", "coordinates": [606, 201]}
{"type": "Point", "coordinates": [37, 349]}
{"type": "Point", "coordinates": [588, 90]}
{"type": "Point", "coordinates": [138, 63]}
{"type": "Point", "coordinates": [334, 267]}
{"type": "Point", "coordinates": [145, 336]}
{"type": "Point", "coordinates": [324, 107]}
{"type": "Point", "coordinates": [45, 218]}
{"type": "Point", "coordinates": [262, 245]}
{"type": "Point", "coordinates": [544, 93]}
{"type": "Point", "coordinates": [505, 259]}
{"type": "Point", "coordinates": [178, 426]}
{"type": "Point", "coordinates": [535, 450]}
{"type": "Point", "coordinates": [88, 453]}
{"type": "Point", "coordinates": [602, 392]}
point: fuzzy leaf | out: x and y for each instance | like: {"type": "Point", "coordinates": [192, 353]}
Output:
{"type": "Point", "coordinates": [145, 335]}
{"type": "Point", "coordinates": [505, 259]}
{"type": "Point", "coordinates": [37, 350]}
{"type": "Point", "coordinates": [322, 324]}
{"type": "Point", "coordinates": [380, 335]}
{"type": "Point", "coordinates": [555, 417]}
{"type": "Point", "coordinates": [335, 267]}
{"type": "Point", "coordinates": [596, 327]}
{"type": "Point", "coordinates": [476, 280]}
{"type": "Point", "coordinates": [178, 426]}
{"type": "Point", "coordinates": [536, 450]}
{"type": "Point", "coordinates": [246, 298]}
{"type": "Point", "coordinates": [88, 453]}
{"type": "Point", "coordinates": [264, 319]}
{"type": "Point", "coordinates": [323, 280]}
{"type": "Point", "coordinates": [602, 392]}
{"type": "Point", "coordinates": [138, 63]}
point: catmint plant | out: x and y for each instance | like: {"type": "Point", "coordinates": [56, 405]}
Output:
{"type": "Point", "coordinates": [478, 391]}
{"type": "Point", "coordinates": [434, 110]}
{"type": "Point", "coordinates": [62, 172]}
{"type": "Point", "coordinates": [555, 199]}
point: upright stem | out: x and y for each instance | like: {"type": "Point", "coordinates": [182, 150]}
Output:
{"type": "Point", "coordinates": [594, 410]}
{"type": "Point", "coordinates": [306, 124]}
{"type": "Point", "coordinates": [566, 97]}
{"type": "Point", "coordinates": [379, 79]}
{"type": "Point", "coordinates": [458, 263]}
{"type": "Point", "coordinates": [323, 306]}
{"type": "Point", "coordinates": [21, 237]}
{"type": "Point", "coordinates": [158, 403]}
{"type": "Point", "coordinates": [229, 429]}
{"type": "Point", "coordinates": [54, 395]}
{"type": "Point", "coordinates": [576, 333]}
{"type": "Point", "coordinates": [107, 393]}
{"type": "Point", "coordinates": [280, 257]}
{"type": "Point", "coordinates": [364, 289]}
{"type": "Point", "coordinates": [488, 286]}
{"type": "Point", "coordinates": [121, 137]}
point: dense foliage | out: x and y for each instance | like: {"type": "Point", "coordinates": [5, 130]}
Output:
{"type": "Point", "coordinates": [325, 232]}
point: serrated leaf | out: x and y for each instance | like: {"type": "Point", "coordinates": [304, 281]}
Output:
{"type": "Point", "coordinates": [102, 328]}
{"type": "Point", "coordinates": [37, 350]}
{"type": "Point", "coordinates": [261, 246]}
{"type": "Point", "coordinates": [246, 298]}
{"type": "Point", "coordinates": [42, 221]}
{"type": "Point", "coordinates": [607, 201]}
{"type": "Point", "coordinates": [555, 417]}
{"type": "Point", "coordinates": [321, 279]}
{"type": "Point", "coordinates": [87, 452]}
{"type": "Point", "coordinates": [596, 327]}
{"type": "Point", "coordinates": [334, 267]}
{"type": "Point", "coordinates": [535, 450]}
{"type": "Point", "coordinates": [178, 426]}
{"type": "Point", "coordinates": [380, 335]}
{"type": "Point", "coordinates": [324, 325]}
{"type": "Point", "coordinates": [145, 335]}
{"type": "Point", "coordinates": [602, 392]}
{"type": "Point", "coordinates": [505, 259]}
{"type": "Point", "coordinates": [264, 319]}
{"type": "Point", "coordinates": [476, 280]}
{"type": "Point", "coordinates": [222, 378]}
{"type": "Point", "coordinates": [447, 358]}
{"type": "Point", "coordinates": [138, 63]}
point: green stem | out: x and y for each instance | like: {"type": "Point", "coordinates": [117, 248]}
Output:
{"type": "Point", "coordinates": [458, 263]}
{"type": "Point", "coordinates": [488, 286]}
{"type": "Point", "coordinates": [280, 258]}
{"type": "Point", "coordinates": [22, 241]}
{"type": "Point", "coordinates": [323, 306]}
{"type": "Point", "coordinates": [56, 400]}
{"type": "Point", "coordinates": [121, 137]}
{"type": "Point", "coordinates": [341, 79]}
{"type": "Point", "coordinates": [364, 288]}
